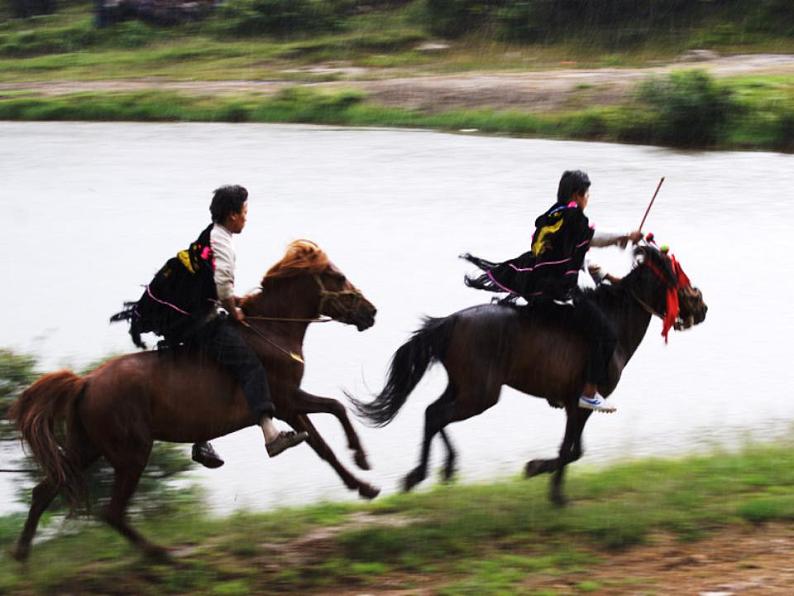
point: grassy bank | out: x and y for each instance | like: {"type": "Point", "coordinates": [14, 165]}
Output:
{"type": "Point", "coordinates": [458, 539]}
{"type": "Point", "coordinates": [761, 118]}
{"type": "Point", "coordinates": [290, 43]}
{"type": "Point", "coordinates": [253, 38]}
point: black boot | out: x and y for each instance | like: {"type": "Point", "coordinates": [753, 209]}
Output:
{"type": "Point", "coordinates": [204, 454]}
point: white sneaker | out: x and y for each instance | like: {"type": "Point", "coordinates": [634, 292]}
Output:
{"type": "Point", "coordinates": [596, 403]}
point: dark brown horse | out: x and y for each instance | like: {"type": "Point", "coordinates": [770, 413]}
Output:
{"type": "Point", "coordinates": [486, 347]}
{"type": "Point", "coordinates": [120, 408]}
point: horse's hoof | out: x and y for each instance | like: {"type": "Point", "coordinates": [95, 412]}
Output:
{"type": "Point", "coordinates": [412, 479]}
{"type": "Point", "coordinates": [361, 460]}
{"type": "Point", "coordinates": [19, 554]}
{"type": "Point", "coordinates": [558, 500]}
{"type": "Point", "coordinates": [448, 475]}
{"type": "Point", "coordinates": [368, 491]}
{"type": "Point", "coordinates": [533, 468]}
{"type": "Point", "coordinates": [157, 554]}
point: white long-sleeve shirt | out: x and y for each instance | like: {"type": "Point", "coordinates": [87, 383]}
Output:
{"type": "Point", "coordinates": [223, 250]}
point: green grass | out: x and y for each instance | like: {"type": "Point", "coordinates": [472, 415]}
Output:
{"type": "Point", "coordinates": [66, 46]}
{"type": "Point", "coordinates": [765, 120]}
{"type": "Point", "coordinates": [382, 43]}
{"type": "Point", "coordinates": [484, 538]}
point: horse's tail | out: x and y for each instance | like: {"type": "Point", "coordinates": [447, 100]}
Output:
{"type": "Point", "coordinates": [36, 412]}
{"type": "Point", "coordinates": [408, 366]}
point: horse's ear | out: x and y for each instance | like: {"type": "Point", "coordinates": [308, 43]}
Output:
{"type": "Point", "coordinates": [639, 255]}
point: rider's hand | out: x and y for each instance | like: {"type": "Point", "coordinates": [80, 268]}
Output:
{"type": "Point", "coordinates": [230, 306]}
{"type": "Point", "coordinates": [633, 237]}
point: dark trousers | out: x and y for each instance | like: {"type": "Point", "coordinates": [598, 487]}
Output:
{"type": "Point", "coordinates": [224, 344]}
{"type": "Point", "coordinates": [587, 319]}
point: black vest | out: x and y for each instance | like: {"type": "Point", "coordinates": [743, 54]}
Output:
{"type": "Point", "coordinates": [180, 295]}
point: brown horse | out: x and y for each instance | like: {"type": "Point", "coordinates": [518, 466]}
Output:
{"type": "Point", "coordinates": [120, 408]}
{"type": "Point", "coordinates": [486, 347]}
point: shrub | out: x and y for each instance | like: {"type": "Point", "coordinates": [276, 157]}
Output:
{"type": "Point", "coordinates": [453, 18]}
{"type": "Point", "coordinates": [158, 487]}
{"type": "Point", "coordinates": [281, 17]}
{"type": "Point", "coordinates": [689, 108]}
{"type": "Point", "coordinates": [74, 37]}
{"type": "Point", "coordinates": [784, 130]}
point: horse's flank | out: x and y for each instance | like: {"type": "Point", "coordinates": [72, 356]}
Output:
{"type": "Point", "coordinates": [180, 396]}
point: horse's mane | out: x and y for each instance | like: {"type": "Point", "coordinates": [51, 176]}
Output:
{"type": "Point", "coordinates": [302, 256]}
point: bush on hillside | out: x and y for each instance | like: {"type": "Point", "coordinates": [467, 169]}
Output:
{"type": "Point", "coordinates": [617, 22]}
{"type": "Point", "coordinates": [74, 37]}
{"type": "Point", "coordinates": [453, 18]}
{"type": "Point", "coordinates": [690, 109]}
{"type": "Point", "coordinates": [282, 17]}
{"type": "Point", "coordinates": [22, 9]}
{"type": "Point", "coordinates": [784, 130]}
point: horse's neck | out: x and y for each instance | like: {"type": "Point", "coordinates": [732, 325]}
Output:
{"type": "Point", "coordinates": [281, 305]}
{"type": "Point", "coordinates": [294, 298]}
{"type": "Point", "coordinates": [630, 319]}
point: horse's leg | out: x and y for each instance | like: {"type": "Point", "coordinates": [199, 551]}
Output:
{"type": "Point", "coordinates": [536, 467]}
{"type": "Point", "coordinates": [571, 454]}
{"type": "Point", "coordinates": [128, 469]}
{"type": "Point", "coordinates": [454, 405]}
{"type": "Point", "coordinates": [311, 404]}
{"type": "Point", "coordinates": [449, 466]}
{"type": "Point", "coordinates": [437, 416]}
{"type": "Point", "coordinates": [316, 442]}
{"type": "Point", "coordinates": [42, 496]}
{"type": "Point", "coordinates": [570, 451]}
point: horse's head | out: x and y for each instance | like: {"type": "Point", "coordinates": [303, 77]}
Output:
{"type": "Point", "coordinates": [310, 285]}
{"type": "Point", "coordinates": [665, 290]}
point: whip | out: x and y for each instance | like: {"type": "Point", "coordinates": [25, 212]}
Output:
{"type": "Point", "coordinates": [653, 198]}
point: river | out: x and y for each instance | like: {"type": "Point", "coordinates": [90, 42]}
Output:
{"type": "Point", "coordinates": [93, 209]}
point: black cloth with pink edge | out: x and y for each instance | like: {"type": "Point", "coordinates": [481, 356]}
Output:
{"type": "Point", "coordinates": [550, 269]}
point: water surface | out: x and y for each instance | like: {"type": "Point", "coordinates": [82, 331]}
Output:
{"type": "Point", "coordinates": [92, 210]}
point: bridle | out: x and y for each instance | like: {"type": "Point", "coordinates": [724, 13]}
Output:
{"type": "Point", "coordinates": [665, 282]}
{"type": "Point", "coordinates": [672, 310]}
{"type": "Point", "coordinates": [334, 297]}
{"type": "Point", "coordinates": [326, 296]}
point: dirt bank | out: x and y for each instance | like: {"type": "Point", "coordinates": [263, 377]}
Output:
{"type": "Point", "coordinates": [741, 561]}
{"type": "Point", "coordinates": [545, 90]}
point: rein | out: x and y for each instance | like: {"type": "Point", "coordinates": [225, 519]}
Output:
{"type": "Point", "coordinates": [325, 295]}
{"type": "Point", "coordinates": [289, 320]}
{"type": "Point", "coordinates": [293, 355]}
{"type": "Point", "coordinates": [671, 295]}
{"type": "Point", "coordinates": [646, 307]}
